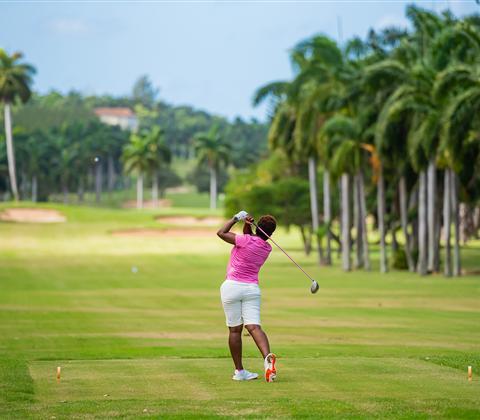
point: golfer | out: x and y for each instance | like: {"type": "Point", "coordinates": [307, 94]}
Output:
{"type": "Point", "coordinates": [240, 292]}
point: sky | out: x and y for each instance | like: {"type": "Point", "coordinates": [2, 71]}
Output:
{"type": "Point", "coordinates": [211, 55]}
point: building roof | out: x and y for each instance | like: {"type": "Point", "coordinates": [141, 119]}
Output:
{"type": "Point", "coordinates": [114, 112]}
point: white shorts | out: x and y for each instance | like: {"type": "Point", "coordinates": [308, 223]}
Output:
{"type": "Point", "coordinates": [241, 302]}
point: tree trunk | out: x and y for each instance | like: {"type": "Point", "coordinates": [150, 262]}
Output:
{"type": "Point", "coordinates": [140, 191]}
{"type": "Point", "coordinates": [456, 223]}
{"type": "Point", "coordinates": [447, 223]}
{"type": "Point", "coordinates": [98, 182]}
{"type": "Point", "coordinates": [404, 220]}
{"type": "Point", "coordinates": [345, 223]}
{"type": "Point", "coordinates": [438, 221]}
{"type": "Point", "coordinates": [363, 219]}
{"type": "Point", "coordinates": [10, 151]}
{"type": "Point", "coordinates": [357, 221]}
{"type": "Point", "coordinates": [431, 211]}
{"type": "Point", "coordinates": [413, 205]}
{"type": "Point", "coordinates": [422, 225]}
{"type": "Point", "coordinates": [312, 181]}
{"type": "Point", "coordinates": [23, 185]}
{"type": "Point", "coordinates": [394, 240]}
{"type": "Point", "coordinates": [110, 173]}
{"type": "Point", "coordinates": [327, 214]}
{"type": "Point", "coordinates": [90, 179]}
{"type": "Point", "coordinates": [381, 221]}
{"type": "Point", "coordinates": [65, 192]}
{"type": "Point", "coordinates": [213, 188]}
{"type": "Point", "coordinates": [307, 241]}
{"type": "Point", "coordinates": [476, 222]}
{"type": "Point", "coordinates": [155, 188]}
{"type": "Point", "coordinates": [34, 188]}
{"type": "Point", "coordinates": [80, 190]}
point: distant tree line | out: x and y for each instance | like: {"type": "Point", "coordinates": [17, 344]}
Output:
{"type": "Point", "coordinates": [58, 145]}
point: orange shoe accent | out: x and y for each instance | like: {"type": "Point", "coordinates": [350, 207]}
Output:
{"type": "Point", "coordinates": [270, 371]}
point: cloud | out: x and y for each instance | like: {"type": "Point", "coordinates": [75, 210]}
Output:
{"type": "Point", "coordinates": [69, 26]}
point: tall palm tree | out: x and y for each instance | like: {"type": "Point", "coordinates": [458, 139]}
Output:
{"type": "Point", "coordinates": [213, 151]}
{"type": "Point", "coordinates": [136, 161]}
{"type": "Point", "coordinates": [15, 81]}
{"type": "Point", "coordinates": [315, 94]}
{"type": "Point", "coordinates": [348, 159]}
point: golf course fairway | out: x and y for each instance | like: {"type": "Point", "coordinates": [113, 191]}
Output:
{"type": "Point", "coordinates": [128, 307]}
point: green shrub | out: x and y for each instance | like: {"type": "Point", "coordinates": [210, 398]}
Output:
{"type": "Point", "coordinates": [399, 260]}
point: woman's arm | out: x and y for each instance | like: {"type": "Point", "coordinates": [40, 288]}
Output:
{"type": "Point", "coordinates": [224, 232]}
{"type": "Point", "coordinates": [247, 227]}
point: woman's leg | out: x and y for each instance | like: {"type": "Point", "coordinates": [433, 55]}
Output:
{"type": "Point", "coordinates": [235, 344]}
{"type": "Point", "coordinates": [260, 338]}
{"type": "Point", "coordinates": [232, 305]}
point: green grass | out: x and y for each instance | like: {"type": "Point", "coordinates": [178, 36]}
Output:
{"type": "Point", "coordinates": [366, 346]}
{"type": "Point", "coordinates": [117, 199]}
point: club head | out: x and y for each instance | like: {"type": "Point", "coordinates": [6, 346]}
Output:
{"type": "Point", "coordinates": [314, 287]}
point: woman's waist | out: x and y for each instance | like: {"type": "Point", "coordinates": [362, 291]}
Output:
{"type": "Point", "coordinates": [242, 282]}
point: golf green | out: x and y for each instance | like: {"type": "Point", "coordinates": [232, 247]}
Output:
{"type": "Point", "coordinates": [129, 308]}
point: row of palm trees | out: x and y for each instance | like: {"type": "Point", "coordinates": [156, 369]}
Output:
{"type": "Point", "coordinates": [398, 109]}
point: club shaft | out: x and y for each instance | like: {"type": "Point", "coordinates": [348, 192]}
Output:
{"type": "Point", "coordinates": [281, 249]}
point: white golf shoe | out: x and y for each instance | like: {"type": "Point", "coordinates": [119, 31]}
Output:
{"type": "Point", "coordinates": [244, 375]}
{"type": "Point", "coordinates": [270, 370]}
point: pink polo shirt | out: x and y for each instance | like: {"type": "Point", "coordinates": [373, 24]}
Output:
{"type": "Point", "coordinates": [247, 257]}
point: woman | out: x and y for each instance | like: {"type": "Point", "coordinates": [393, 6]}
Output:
{"type": "Point", "coordinates": [240, 292]}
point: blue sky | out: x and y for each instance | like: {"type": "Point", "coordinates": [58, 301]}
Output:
{"type": "Point", "coordinates": [211, 55]}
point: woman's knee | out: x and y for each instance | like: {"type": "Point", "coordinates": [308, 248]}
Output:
{"type": "Point", "coordinates": [253, 327]}
{"type": "Point", "coordinates": [236, 329]}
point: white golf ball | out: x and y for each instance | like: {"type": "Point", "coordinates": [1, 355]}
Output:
{"type": "Point", "coordinates": [134, 269]}
{"type": "Point", "coordinates": [96, 159]}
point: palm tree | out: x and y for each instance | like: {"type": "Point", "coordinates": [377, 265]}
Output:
{"type": "Point", "coordinates": [315, 94]}
{"type": "Point", "coordinates": [136, 160]}
{"type": "Point", "coordinates": [15, 82]}
{"type": "Point", "coordinates": [32, 154]}
{"type": "Point", "coordinates": [213, 151]}
{"type": "Point", "coordinates": [349, 159]}
{"type": "Point", "coordinates": [159, 156]}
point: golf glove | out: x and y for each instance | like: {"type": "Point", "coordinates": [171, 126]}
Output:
{"type": "Point", "coordinates": [241, 215]}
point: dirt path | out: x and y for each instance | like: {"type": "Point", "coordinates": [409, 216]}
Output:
{"type": "Point", "coordinates": [32, 216]}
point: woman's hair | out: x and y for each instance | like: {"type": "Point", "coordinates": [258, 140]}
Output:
{"type": "Point", "coordinates": [268, 224]}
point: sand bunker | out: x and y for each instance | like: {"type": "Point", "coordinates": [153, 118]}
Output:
{"type": "Point", "coordinates": [164, 233]}
{"type": "Point", "coordinates": [149, 204]}
{"type": "Point", "coordinates": [32, 216]}
{"type": "Point", "coordinates": [190, 220]}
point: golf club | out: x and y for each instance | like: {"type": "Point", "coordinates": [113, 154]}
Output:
{"type": "Point", "coordinates": [314, 287]}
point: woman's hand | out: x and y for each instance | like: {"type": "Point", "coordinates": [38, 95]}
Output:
{"type": "Point", "coordinates": [247, 227]}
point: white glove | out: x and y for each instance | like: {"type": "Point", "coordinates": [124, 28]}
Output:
{"type": "Point", "coordinates": [241, 215]}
